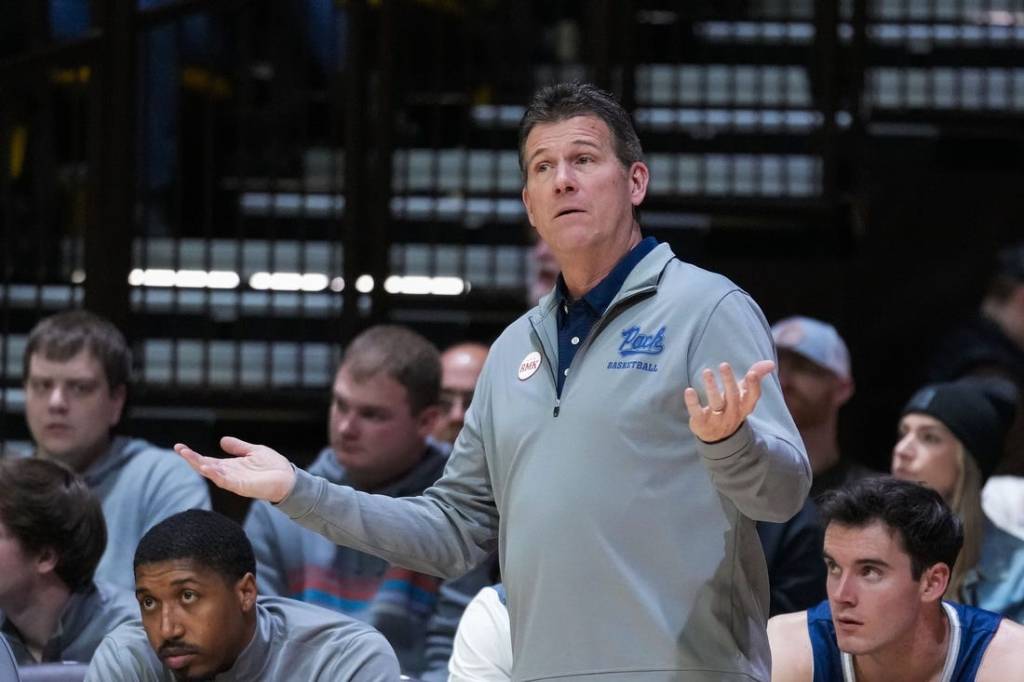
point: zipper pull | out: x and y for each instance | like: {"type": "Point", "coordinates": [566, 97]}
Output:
{"type": "Point", "coordinates": [557, 402]}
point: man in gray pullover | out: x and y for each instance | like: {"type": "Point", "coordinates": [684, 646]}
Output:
{"type": "Point", "coordinates": [201, 619]}
{"type": "Point", "coordinates": [622, 500]}
{"type": "Point", "coordinates": [77, 368]}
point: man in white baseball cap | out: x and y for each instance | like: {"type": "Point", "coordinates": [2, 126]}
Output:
{"type": "Point", "coordinates": [814, 369]}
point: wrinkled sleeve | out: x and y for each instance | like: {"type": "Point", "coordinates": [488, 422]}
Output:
{"type": "Point", "coordinates": [271, 569]}
{"type": "Point", "coordinates": [445, 532]}
{"type": "Point", "coordinates": [762, 468]}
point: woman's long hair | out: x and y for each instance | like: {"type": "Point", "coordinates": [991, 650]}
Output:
{"type": "Point", "coordinates": [966, 503]}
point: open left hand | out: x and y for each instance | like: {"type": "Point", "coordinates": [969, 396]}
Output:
{"type": "Point", "coordinates": [726, 409]}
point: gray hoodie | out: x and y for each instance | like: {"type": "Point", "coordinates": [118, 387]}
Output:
{"type": "Point", "coordinates": [628, 547]}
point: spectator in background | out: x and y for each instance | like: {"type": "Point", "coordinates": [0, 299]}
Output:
{"type": "Point", "coordinates": [202, 619]}
{"type": "Point", "coordinates": [52, 535]}
{"type": "Point", "coordinates": [992, 344]}
{"type": "Point", "coordinates": [77, 367]}
{"type": "Point", "coordinates": [384, 406]}
{"type": "Point", "coordinates": [814, 370]}
{"type": "Point", "coordinates": [890, 547]}
{"type": "Point", "coordinates": [460, 368]}
{"type": "Point", "coordinates": [950, 439]}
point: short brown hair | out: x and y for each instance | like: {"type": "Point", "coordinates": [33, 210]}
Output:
{"type": "Point", "coordinates": [62, 336]}
{"type": "Point", "coordinates": [401, 354]}
{"type": "Point", "coordinates": [556, 103]}
{"type": "Point", "coordinates": [46, 505]}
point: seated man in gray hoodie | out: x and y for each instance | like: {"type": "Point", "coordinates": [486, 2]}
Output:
{"type": "Point", "coordinates": [77, 367]}
{"type": "Point", "coordinates": [195, 576]}
{"type": "Point", "coordinates": [51, 537]}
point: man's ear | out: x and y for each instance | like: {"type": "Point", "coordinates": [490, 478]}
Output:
{"type": "Point", "coordinates": [245, 590]}
{"type": "Point", "coordinates": [526, 203]}
{"type": "Point", "coordinates": [844, 391]}
{"type": "Point", "coordinates": [639, 176]}
{"type": "Point", "coordinates": [934, 581]}
{"type": "Point", "coordinates": [47, 560]}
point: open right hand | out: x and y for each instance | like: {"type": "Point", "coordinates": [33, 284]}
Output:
{"type": "Point", "coordinates": [255, 470]}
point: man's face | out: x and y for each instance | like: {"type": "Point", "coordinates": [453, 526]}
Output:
{"type": "Point", "coordinates": [373, 432]}
{"type": "Point", "coordinates": [875, 600]}
{"type": "Point", "coordinates": [70, 408]}
{"type": "Point", "coordinates": [927, 452]}
{"type": "Point", "coordinates": [813, 393]}
{"type": "Point", "coordinates": [578, 195]}
{"type": "Point", "coordinates": [196, 622]}
{"type": "Point", "coordinates": [460, 368]}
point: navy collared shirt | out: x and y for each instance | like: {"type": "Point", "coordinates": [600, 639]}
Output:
{"type": "Point", "coordinates": [575, 318]}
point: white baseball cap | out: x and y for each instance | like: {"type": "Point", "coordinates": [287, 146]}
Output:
{"type": "Point", "coordinates": [817, 341]}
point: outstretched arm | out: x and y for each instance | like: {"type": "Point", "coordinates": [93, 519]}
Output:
{"type": "Point", "coordinates": [444, 532]}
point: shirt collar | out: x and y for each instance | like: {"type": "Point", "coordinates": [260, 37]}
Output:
{"type": "Point", "coordinates": [604, 292]}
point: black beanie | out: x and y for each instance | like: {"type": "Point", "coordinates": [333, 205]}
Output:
{"type": "Point", "coordinates": [978, 410]}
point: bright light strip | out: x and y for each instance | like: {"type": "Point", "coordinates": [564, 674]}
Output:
{"type": "Point", "coordinates": [184, 279]}
{"type": "Point", "coordinates": [288, 281]}
{"type": "Point", "coordinates": [418, 284]}
{"type": "Point", "coordinates": [364, 284]}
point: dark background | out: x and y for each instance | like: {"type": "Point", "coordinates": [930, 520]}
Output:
{"type": "Point", "coordinates": [877, 206]}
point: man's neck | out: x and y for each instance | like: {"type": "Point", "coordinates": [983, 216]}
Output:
{"type": "Point", "coordinates": [584, 271]}
{"type": "Point", "coordinates": [822, 446]}
{"type": "Point", "coordinates": [919, 656]}
{"type": "Point", "coordinates": [80, 461]}
{"type": "Point", "coordinates": [376, 480]}
{"type": "Point", "coordinates": [250, 633]}
{"type": "Point", "coordinates": [36, 617]}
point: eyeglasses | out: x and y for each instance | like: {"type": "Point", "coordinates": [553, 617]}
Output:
{"type": "Point", "coordinates": [449, 398]}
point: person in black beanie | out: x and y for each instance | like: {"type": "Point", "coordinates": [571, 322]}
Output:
{"type": "Point", "coordinates": [951, 439]}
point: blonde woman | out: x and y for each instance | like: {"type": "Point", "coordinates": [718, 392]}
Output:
{"type": "Point", "coordinates": [950, 439]}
